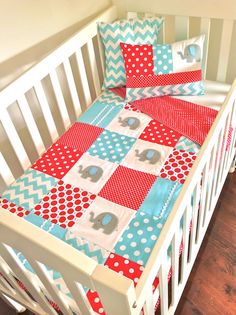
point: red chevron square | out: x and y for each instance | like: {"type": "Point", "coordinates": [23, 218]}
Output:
{"type": "Point", "coordinates": [57, 161]}
{"type": "Point", "coordinates": [159, 133]}
{"type": "Point", "coordinates": [80, 136]}
{"type": "Point", "coordinates": [127, 187]}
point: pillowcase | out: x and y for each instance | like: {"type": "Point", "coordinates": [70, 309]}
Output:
{"type": "Point", "coordinates": [135, 31]}
{"type": "Point", "coordinates": [157, 70]}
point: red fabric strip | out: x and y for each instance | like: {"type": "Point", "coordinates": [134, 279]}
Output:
{"type": "Point", "coordinates": [164, 79]}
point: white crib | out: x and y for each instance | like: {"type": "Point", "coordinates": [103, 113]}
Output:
{"type": "Point", "coordinates": [45, 101]}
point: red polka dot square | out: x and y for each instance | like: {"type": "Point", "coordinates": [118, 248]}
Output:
{"type": "Point", "coordinates": [80, 136]}
{"type": "Point", "coordinates": [13, 208]}
{"type": "Point", "coordinates": [161, 134]}
{"type": "Point", "coordinates": [57, 161]}
{"type": "Point", "coordinates": [95, 302]}
{"type": "Point", "coordinates": [138, 59]}
{"type": "Point", "coordinates": [126, 267]}
{"type": "Point", "coordinates": [127, 187]}
{"type": "Point", "coordinates": [178, 165]}
{"type": "Point", "coordinates": [64, 205]}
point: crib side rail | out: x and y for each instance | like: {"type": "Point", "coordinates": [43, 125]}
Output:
{"type": "Point", "coordinates": [48, 258]}
{"type": "Point", "coordinates": [219, 37]}
{"type": "Point", "coordinates": [43, 102]}
{"type": "Point", "coordinates": [194, 207]}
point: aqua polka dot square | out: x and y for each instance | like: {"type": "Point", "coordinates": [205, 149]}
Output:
{"type": "Point", "coordinates": [163, 60]}
{"type": "Point", "coordinates": [111, 146]}
{"type": "Point", "coordinates": [139, 238]}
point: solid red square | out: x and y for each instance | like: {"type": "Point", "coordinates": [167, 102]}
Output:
{"type": "Point", "coordinates": [127, 187]}
{"type": "Point", "coordinates": [158, 133]}
{"type": "Point", "coordinates": [57, 161]}
{"type": "Point", "coordinates": [80, 136]}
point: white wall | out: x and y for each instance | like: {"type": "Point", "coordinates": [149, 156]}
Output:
{"type": "Point", "coordinates": [31, 28]}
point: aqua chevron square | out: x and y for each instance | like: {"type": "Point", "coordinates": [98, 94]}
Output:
{"type": "Point", "coordinates": [111, 146]}
{"type": "Point", "coordinates": [29, 189]}
{"type": "Point", "coordinates": [187, 145]}
{"type": "Point", "coordinates": [138, 31]}
{"type": "Point", "coordinates": [90, 249]}
{"type": "Point", "coordinates": [110, 98]}
{"type": "Point", "coordinates": [100, 114]}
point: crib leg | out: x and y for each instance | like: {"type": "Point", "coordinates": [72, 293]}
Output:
{"type": "Point", "coordinates": [13, 304]}
{"type": "Point", "coordinates": [233, 166]}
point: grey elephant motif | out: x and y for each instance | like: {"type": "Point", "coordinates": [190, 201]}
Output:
{"type": "Point", "coordinates": [131, 122]}
{"type": "Point", "coordinates": [105, 220]}
{"type": "Point", "coordinates": [92, 171]}
{"type": "Point", "coordinates": [151, 155]}
{"type": "Point", "coordinates": [191, 52]}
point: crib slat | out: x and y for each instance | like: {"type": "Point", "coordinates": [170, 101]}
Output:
{"type": "Point", "coordinates": [224, 50]}
{"type": "Point", "coordinates": [163, 283]}
{"type": "Point", "coordinates": [80, 297]}
{"type": "Point", "coordinates": [149, 308]}
{"type": "Point", "coordinates": [205, 29]}
{"type": "Point", "coordinates": [93, 65]}
{"type": "Point", "coordinates": [132, 15]}
{"type": "Point", "coordinates": [31, 124]}
{"type": "Point", "coordinates": [9, 256]}
{"type": "Point", "coordinates": [72, 87]}
{"type": "Point", "coordinates": [50, 286]}
{"type": "Point", "coordinates": [186, 233]}
{"type": "Point", "coordinates": [83, 77]}
{"type": "Point", "coordinates": [181, 28]}
{"type": "Point", "coordinates": [46, 110]}
{"type": "Point", "coordinates": [60, 99]}
{"type": "Point", "coordinates": [5, 171]}
{"type": "Point", "coordinates": [175, 267]}
{"type": "Point", "coordinates": [15, 139]}
{"type": "Point", "coordinates": [7, 273]}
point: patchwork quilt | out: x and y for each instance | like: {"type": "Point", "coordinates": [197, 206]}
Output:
{"type": "Point", "coordinates": [106, 187]}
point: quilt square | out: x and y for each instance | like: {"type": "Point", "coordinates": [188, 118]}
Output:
{"type": "Point", "coordinates": [90, 173]}
{"type": "Point", "coordinates": [129, 123]}
{"type": "Point", "coordinates": [103, 223]}
{"type": "Point", "coordinates": [64, 204]}
{"type": "Point", "coordinates": [147, 157]}
{"type": "Point", "coordinates": [187, 145]}
{"type": "Point", "coordinates": [124, 266]}
{"type": "Point", "coordinates": [131, 107]}
{"type": "Point", "coordinates": [128, 187]}
{"type": "Point", "coordinates": [80, 136]}
{"type": "Point", "coordinates": [29, 189]}
{"type": "Point", "coordinates": [57, 161]}
{"type": "Point", "coordinates": [111, 146]}
{"type": "Point", "coordinates": [13, 208]}
{"type": "Point", "coordinates": [138, 240]}
{"type": "Point", "coordinates": [178, 165]}
{"type": "Point", "coordinates": [90, 249]}
{"type": "Point", "coordinates": [161, 198]}
{"type": "Point", "coordinates": [158, 133]}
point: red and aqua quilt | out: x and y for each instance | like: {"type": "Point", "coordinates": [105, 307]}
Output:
{"type": "Point", "coordinates": [107, 186]}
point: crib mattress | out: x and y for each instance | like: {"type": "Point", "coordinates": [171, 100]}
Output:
{"type": "Point", "coordinates": [106, 187]}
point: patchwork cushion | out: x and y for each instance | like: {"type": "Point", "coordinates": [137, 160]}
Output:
{"type": "Point", "coordinates": [135, 31]}
{"type": "Point", "coordinates": [157, 70]}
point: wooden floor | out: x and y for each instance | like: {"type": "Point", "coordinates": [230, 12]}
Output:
{"type": "Point", "coordinates": [211, 288]}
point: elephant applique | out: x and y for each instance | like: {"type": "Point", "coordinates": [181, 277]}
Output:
{"type": "Point", "coordinates": [105, 220]}
{"type": "Point", "coordinates": [191, 52]}
{"type": "Point", "coordinates": [151, 155]}
{"type": "Point", "coordinates": [92, 171]}
{"type": "Point", "coordinates": [131, 122]}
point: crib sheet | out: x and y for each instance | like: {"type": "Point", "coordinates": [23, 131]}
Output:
{"type": "Point", "coordinates": [106, 187]}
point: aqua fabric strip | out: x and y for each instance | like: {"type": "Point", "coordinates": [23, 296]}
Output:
{"type": "Point", "coordinates": [161, 198]}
